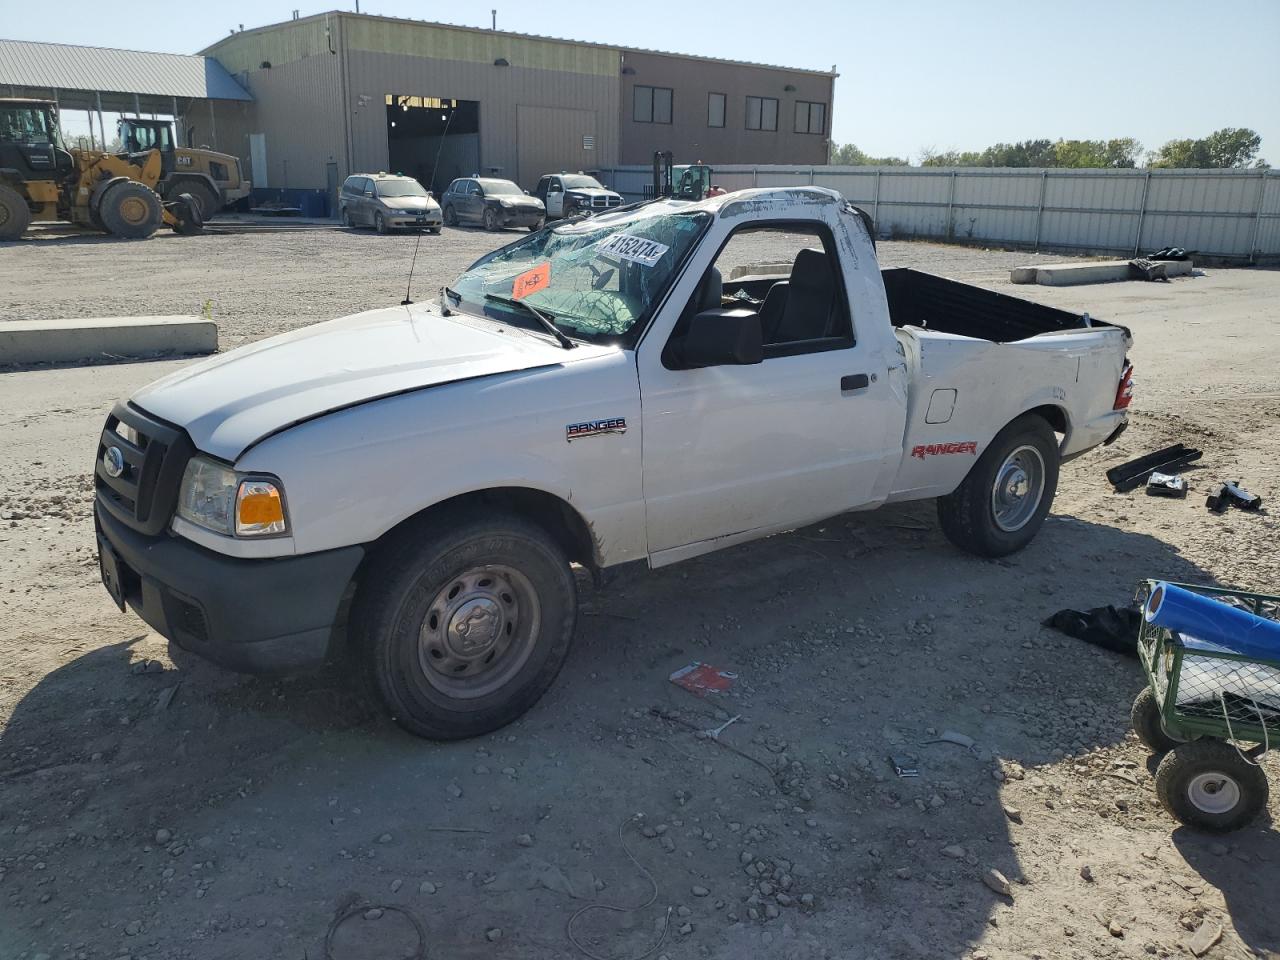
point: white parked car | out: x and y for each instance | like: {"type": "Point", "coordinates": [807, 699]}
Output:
{"type": "Point", "coordinates": [632, 386]}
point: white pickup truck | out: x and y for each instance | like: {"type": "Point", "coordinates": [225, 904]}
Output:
{"type": "Point", "coordinates": [653, 383]}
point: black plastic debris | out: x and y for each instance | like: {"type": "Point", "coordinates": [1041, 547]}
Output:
{"type": "Point", "coordinates": [1140, 268]}
{"type": "Point", "coordinates": [1171, 253]}
{"type": "Point", "coordinates": [1166, 485]}
{"type": "Point", "coordinates": [1131, 475]}
{"type": "Point", "coordinates": [1226, 495]}
{"type": "Point", "coordinates": [1112, 628]}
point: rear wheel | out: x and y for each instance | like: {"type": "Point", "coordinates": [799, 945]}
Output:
{"type": "Point", "coordinates": [203, 195]}
{"type": "Point", "coordinates": [1003, 501]}
{"type": "Point", "coordinates": [466, 623]}
{"type": "Point", "coordinates": [15, 215]}
{"type": "Point", "coordinates": [1145, 717]}
{"type": "Point", "coordinates": [130, 210]}
{"type": "Point", "coordinates": [1208, 785]}
{"type": "Point", "coordinates": [490, 219]}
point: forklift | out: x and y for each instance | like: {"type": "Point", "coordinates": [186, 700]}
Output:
{"type": "Point", "coordinates": [690, 181]}
{"type": "Point", "coordinates": [40, 179]}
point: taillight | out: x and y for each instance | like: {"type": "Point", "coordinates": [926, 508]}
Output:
{"type": "Point", "coordinates": [1124, 392]}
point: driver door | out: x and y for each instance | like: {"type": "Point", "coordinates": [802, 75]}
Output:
{"type": "Point", "coordinates": [555, 198]}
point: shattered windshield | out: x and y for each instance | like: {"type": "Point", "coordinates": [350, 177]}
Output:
{"type": "Point", "coordinates": [597, 279]}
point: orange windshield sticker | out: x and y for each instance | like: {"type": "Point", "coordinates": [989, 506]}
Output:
{"type": "Point", "coordinates": [531, 281]}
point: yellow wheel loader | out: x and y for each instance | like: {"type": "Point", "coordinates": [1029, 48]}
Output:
{"type": "Point", "coordinates": [213, 179]}
{"type": "Point", "coordinates": [41, 180]}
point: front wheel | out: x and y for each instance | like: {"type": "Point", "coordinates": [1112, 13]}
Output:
{"type": "Point", "coordinates": [1145, 717]}
{"type": "Point", "coordinates": [434, 230]}
{"type": "Point", "coordinates": [537, 225]}
{"type": "Point", "coordinates": [450, 216]}
{"type": "Point", "coordinates": [379, 222]}
{"type": "Point", "coordinates": [490, 219]}
{"type": "Point", "coordinates": [1207, 784]}
{"type": "Point", "coordinates": [131, 210]}
{"type": "Point", "coordinates": [1003, 501]}
{"type": "Point", "coordinates": [466, 623]}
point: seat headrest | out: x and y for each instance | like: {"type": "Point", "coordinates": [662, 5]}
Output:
{"type": "Point", "coordinates": [711, 290]}
{"type": "Point", "coordinates": [812, 267]}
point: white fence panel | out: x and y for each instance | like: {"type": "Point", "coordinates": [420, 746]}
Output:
{"type": "Point", "coordinates": [1223, 213]}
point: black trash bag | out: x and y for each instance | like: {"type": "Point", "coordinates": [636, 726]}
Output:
{"type": "Point", "coordinates": [1112, 628]}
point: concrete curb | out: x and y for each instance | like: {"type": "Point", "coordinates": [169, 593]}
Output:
{"type": "Point", "coordinates": [1074, 274]}
{"type": "Point", "coordinates": [98, 338]}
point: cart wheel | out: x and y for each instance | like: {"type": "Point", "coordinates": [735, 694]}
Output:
{"type": "Point", "coordinates": [1208, 785]}
{"type": "Point", "coordinates": [1145, 717]}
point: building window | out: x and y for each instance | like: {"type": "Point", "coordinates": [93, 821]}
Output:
{"type": "Point", "coordinates": [651, 105]}
{"type": "Point", "coordinates": [811, 117]}
{"type": "Point", "coordinates": [762, 113]}
{"type": "Point", "coordinates": [715, 110]}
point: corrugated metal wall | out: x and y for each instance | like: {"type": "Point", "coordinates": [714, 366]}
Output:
{"type": "Point", "coordinates": [1223, 213]}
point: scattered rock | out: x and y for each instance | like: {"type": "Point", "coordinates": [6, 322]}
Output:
{"type": "Point", "coordinates": [454, 790]}
{"type": "Point", "coordinates": [427, 887]}
{"type": "Point", "coordinates": [1115, 929]}
{"type": "Point", "coordinates": [163, 836]}
{"type": "Point", "coordinates": [373, 913]}
{"type": "Point", "coordinates": [998, 882]}
{"type": "Point", "coordinates": [493, 934]}
{"type": "Point", "coordinates": [385, 838]}
{"type": "Point", "coordinates": [1086, 873]}
{"type": "Point", "coordinates": [524, 840]}
{"type": "Point", "coordinates": [699, 891]}
{"type": "Point", "coordinates": [1204, 938]}
{"type": "Point", "coordinates": [133, 928]}
{"type": "Point", "coordinates": [1014, 814]}
{"type": "Point", "coordinates": [396, 885]}
{"type": "Point", "coordinates": [954, 851]}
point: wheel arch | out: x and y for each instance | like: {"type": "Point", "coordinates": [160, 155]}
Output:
{"type": "Point", "coordinates": [100, 191]}
{"type": "Point", "coordinates": [174, 181]}
{"type": "Point", "coordinates": [560, 519]}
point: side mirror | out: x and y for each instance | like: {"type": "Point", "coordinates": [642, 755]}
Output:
{"type": "Point", "coordinates": [723, 337]}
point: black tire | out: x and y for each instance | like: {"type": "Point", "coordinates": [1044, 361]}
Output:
{"type": "Point", "coordinates": [491, 219]}
{"type": "Point", "coordinates": [968, 516]}
{"type": "Point", "coordinates": [539, 225]}
{"type": "Point", "coordinates": [204, 196]}
{"type": "Point", "coordinates": [1206, 784]}
{"type": "Point", "coordinates": [131, 210]}
{"type": "Point", "coordinates": [15, 215]}
{"type": "Point", "coordinates": [450, 215]}
{"type": "Point", "coordinates": [571, 210]}
{"type": "Point", "coordinates": [346, 219]}
{"type": "Point", "coordinates": [434, 230]}
{"type": "Point", "coordinates": [438, 570]}
{"type": "Point", "coordinates": [1145, 717]}
{"type": "Point", "coordinates": [189, 215]}
{"type": "Point", "coordinates": [379, 222]}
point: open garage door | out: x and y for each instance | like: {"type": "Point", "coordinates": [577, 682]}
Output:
{"type": "Point", "coordinates": [553, 139]}
{"type": "Point", "coordinates": [435, 140]}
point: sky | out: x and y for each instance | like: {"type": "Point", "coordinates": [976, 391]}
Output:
{"type": "Point", "coordinates": [914, 74]}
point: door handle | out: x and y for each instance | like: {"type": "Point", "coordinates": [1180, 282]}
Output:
{"type": "Point", "coordinates": [854, 381]}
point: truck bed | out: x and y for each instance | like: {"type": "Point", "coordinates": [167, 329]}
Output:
{"type": "Point", "coordinates": [947, 306]}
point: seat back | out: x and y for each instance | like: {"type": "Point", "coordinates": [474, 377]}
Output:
{"type": "Point", "coordinates": [803, 307]}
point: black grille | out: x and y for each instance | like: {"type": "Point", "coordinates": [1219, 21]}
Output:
{"type": "Point", "coordinates": [154, 456]}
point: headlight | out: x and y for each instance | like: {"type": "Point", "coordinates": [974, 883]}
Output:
{"type": "Point", "coordinates": [505, 203]}
{"type": "Point", "coordinates": [217, 498]}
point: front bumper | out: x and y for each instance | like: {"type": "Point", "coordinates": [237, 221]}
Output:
{"type": "Point", "coordinates": [522, 218]}
{"type": "Point", "coordinates": [255, 616]}
{"type": "Point", "coordinates": [430, 219]}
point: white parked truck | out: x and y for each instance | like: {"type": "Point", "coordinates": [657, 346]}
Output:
{"type": "Point", "coordinates": [650, 384]}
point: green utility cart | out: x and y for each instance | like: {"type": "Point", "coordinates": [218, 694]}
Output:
{"type": "Point", "coordinates": [1212, 714]}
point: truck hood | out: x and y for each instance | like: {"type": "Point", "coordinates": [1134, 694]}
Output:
{"type": "Point", "coordinates": [230, 402]}
{"type": "Point", "coordinates": [591, 192]}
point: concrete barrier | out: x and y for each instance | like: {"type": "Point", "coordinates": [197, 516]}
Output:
{"type": "Point", "coordinates": [1074, 274]}
{"type": "Point", "coordinates": [105, 338]}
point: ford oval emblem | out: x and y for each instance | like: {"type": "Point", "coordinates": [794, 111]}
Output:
{"type": "Point", "coordinates": [113, 462]}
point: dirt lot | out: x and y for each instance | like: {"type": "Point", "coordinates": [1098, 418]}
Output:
{"type": "Point", "coordinates": [154, 807]}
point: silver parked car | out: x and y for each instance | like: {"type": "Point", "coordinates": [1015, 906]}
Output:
{"type": "Point", "coordinates": [385, 201]}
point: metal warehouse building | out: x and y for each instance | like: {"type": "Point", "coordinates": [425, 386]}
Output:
{"type": "Point", "coordinates": [339, 93]}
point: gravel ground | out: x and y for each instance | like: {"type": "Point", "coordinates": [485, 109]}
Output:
{"type": "Point", "coordinates": [155, 808]}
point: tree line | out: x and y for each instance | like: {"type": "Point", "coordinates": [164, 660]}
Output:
{"type": "Point", "coordinates": [1228, 147]}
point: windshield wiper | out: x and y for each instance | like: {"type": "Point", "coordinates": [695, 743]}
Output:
{"type": "Point", "coordinates": [446, 296]}
{"type": "Point", "coordinates": [543, 318]}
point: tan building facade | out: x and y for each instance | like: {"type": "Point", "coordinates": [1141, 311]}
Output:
{"type": "Point", "coordinates": [342, 93]}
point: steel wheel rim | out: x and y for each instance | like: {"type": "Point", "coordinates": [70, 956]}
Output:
{"type": "Point", "coordinates": [134, 210]}
{"type": "Point", "coordinates": [1018, 488]}
{"type": "Point", "coordinates": [479, 631]}
{"type": "Point", "coordinates": [490, 219]}
{"type": "Point", "coordinates": [1213, 793]}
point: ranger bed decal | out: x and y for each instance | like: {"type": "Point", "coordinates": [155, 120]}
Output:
{"type": "Point", "coordinates": [934, 449]}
